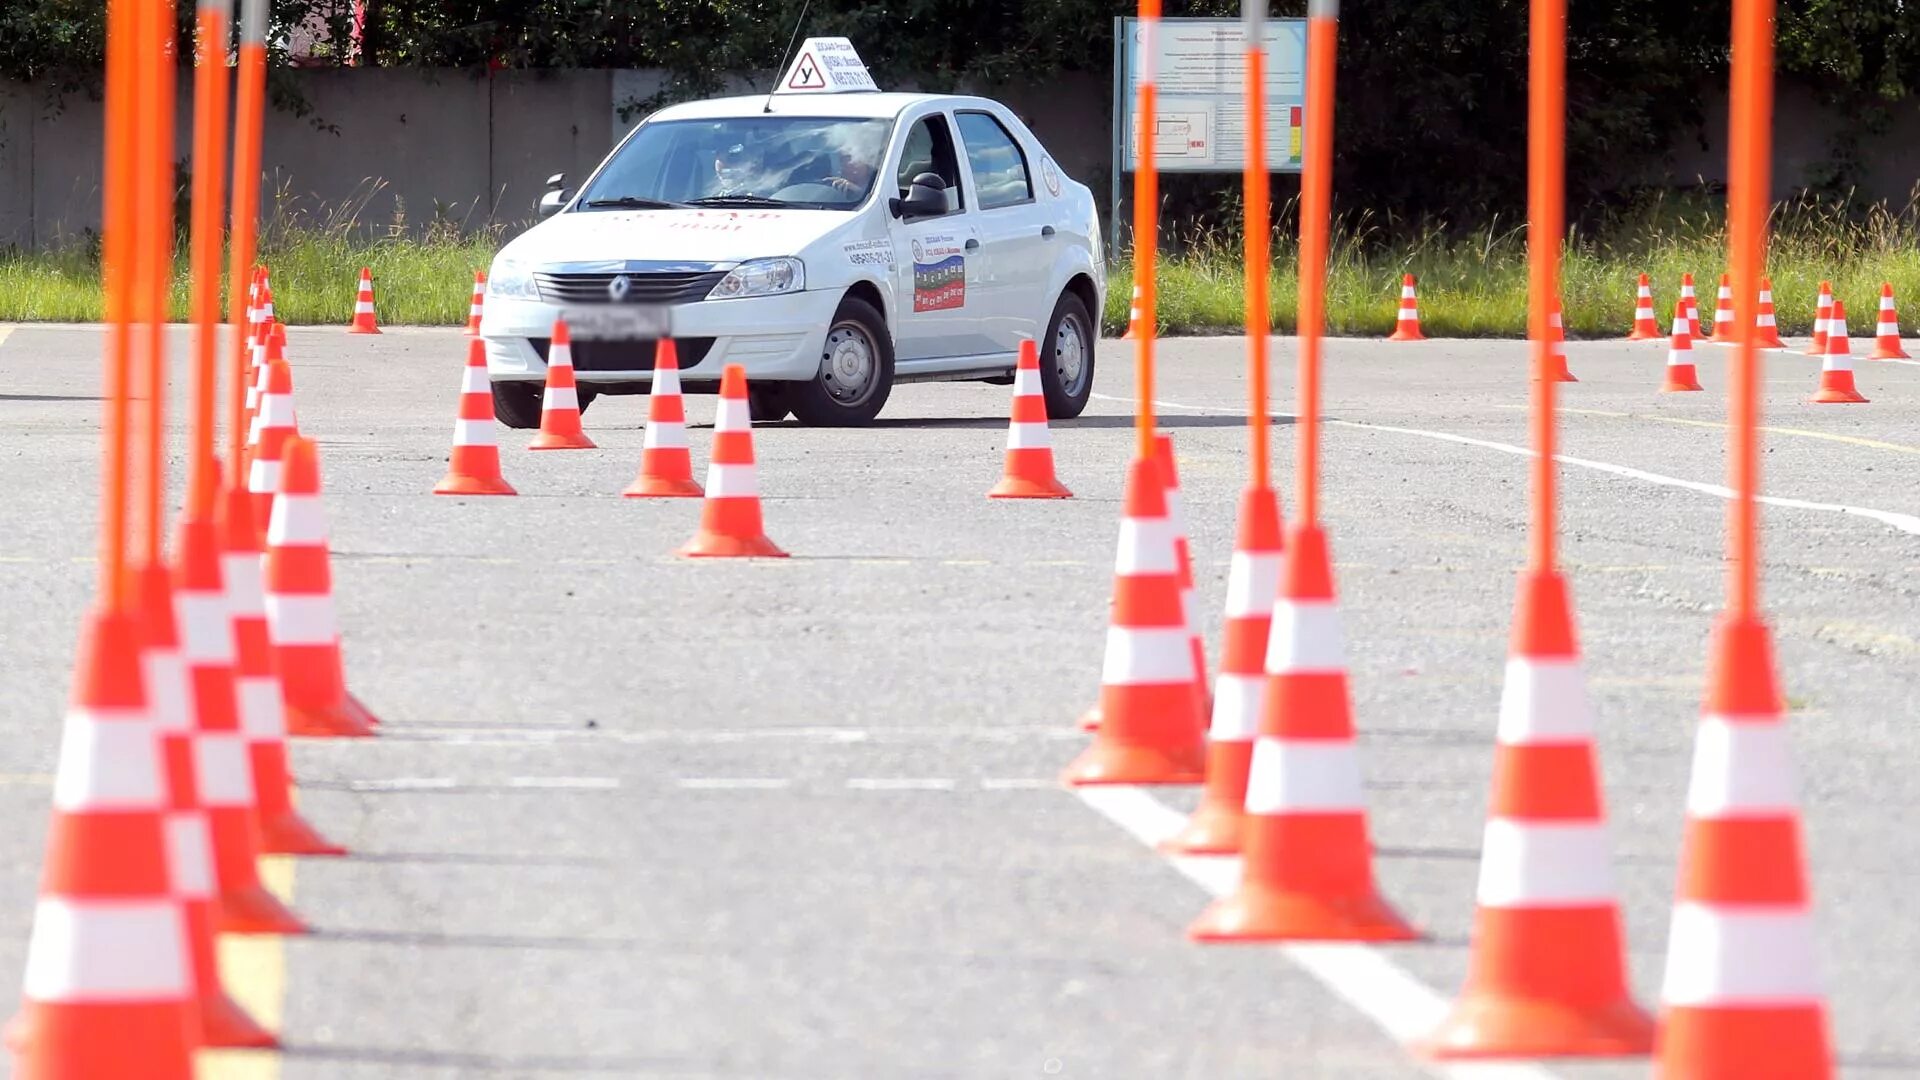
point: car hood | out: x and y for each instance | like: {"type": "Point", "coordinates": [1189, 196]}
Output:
{"type": "Point", "coordinates": [693, 235]}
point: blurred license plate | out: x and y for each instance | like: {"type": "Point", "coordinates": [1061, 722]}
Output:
{"type": "Point", "coordinates": [617, 322]}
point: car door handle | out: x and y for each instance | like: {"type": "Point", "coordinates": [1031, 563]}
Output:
{"type": "Point", "coordinates": [973, 245]}
{"type": "Point", "coordinates": [1046, 232]}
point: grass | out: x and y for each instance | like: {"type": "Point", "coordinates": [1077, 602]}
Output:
{"type": "Point", "coordinates": [1471, 285]}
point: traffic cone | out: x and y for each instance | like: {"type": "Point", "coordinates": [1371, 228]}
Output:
{"type": "Point", "coordinates": [666, 466]}
{"type": "Point", "coordinates": [1645, 326]}
{"type": "Point", "coordinates": [1028, 472]}
{"type": "Point", "coordinates": [1886, 344]}
{"type": "Point", "coordinates": [1406, 325]}
{"type": "Point", "coordinates": [1240, 689]}
{"type": "Point", "coordinates": [1307, 862]}
{"type": "Point", "coordinates": [1821, 316]}
{"type": "Point", "coordinates": [107, 990]}
{"type": "Point", "coordinates": [1741, 998]}
{"type": "Point", "coordinates": [363, 316]}
{"type": "Point", "coordinates": [479, 302]}
{"type": "Point", "coordinates": [259, 351]}
{"type": "Point", "coordinates": [1557, 346]}
{"type": "Point", "coordinates": [263, 710]}
{"type": "Point", "coordinates": [560, 404]}
{"type": "Point", "coordinates": [1189, 607]}
{"type": "Point", "coordinates": [1150, 730]}
{"type": "Point", "coordinates": [223, 766]}
{"type": "Point", "coordinates": [300, 616]}
{"type": "Point", "coordinates": [1692, 302]}
{"type": "Point", "coordinates": [1766, 327]}
{"type": "Point", "coordinates": [473, 467]}
{"type": "Point", "coordinates": [1133, 316]}
{"type": "Point", "coordinates": [730, 524]}
{"type": "Point", "coordinates": [1680, 371]}
{"type": "Point", "coordinates": [1836, 371]}
{"type": "Point", "coordinates": [1547, 975]}
{"type": "Point", "coordinates": [267, 442]}
{"type": "Point", "coordinates": [1723, 311]}
{"type": "Point", "coordinates": [220, 1021]}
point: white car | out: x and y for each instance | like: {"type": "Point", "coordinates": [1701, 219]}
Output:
{"type": "Point", "coordinates": [832, 243]}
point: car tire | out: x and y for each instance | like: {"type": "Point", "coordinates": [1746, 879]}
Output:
{"type": "Point", "coordinates": [517, 404]}
{"type": "Point", "coordinates": [767, 403]}
{"type": "Point", "coordinates": [1066, 358]}
{"type": "Point", "coordinates": [857, 347]}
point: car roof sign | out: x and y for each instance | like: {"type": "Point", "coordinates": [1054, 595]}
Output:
{"type": "Point", "coordinates": [826, 65]}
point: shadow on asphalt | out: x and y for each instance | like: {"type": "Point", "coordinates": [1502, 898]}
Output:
{"type": "Point", "coordinates": [50, 397]}
{"type": "Point", "coordinates": [462, 858]}
{"type": "Point", "coordinates": [483, 1063]}
{"type": "Point", "coordinates": [476, 941]}
{"type": "Point", "coordinates": [1094, 422]}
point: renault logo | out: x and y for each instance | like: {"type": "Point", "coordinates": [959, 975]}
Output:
{"type": "Point", "coordinates": [618, 288]}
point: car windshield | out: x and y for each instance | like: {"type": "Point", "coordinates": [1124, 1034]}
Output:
{"type": "Point", "coordinates": [811, 163]}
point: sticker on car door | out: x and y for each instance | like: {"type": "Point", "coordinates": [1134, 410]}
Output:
{"type": "Point", "coordinates": [939, 273]}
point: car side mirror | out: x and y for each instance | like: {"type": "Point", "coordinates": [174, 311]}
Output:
{"type": "Point", "coordinates": [926, 197]}
{"type": "Point", "coordinates": [556, 196]}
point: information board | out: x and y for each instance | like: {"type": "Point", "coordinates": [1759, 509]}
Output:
{"type": "Point", "coordinates": [1200, 122]}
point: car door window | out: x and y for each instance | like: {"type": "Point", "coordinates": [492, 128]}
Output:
{"type": "Point", "coordinates": [999, 167]}
{"type": "Point", "coordinates": [929, 148]}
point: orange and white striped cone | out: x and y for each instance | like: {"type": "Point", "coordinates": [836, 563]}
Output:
{"type": "Point", "coordinates": [560, 403]}
{"type": "Point", "coordinates": [1189, 606]}
{"type": "Point", "coordinates": [300, 612]}
{"type": "Point", "coordinates": [1822, 315]}
{"type": "Point", "coordinates": [1150, 731]}
{"type": "Point", "coordinates": [1681, 374]}
{"type": "Point", "coordinates": [1836, 371]}
{"type": "Point", "coordinates": [473, 466]}
{"type": "Point", "coordinates": [1133, 316]}
{"type": "Point", "coordinates": [223, 769]}
{"type": "Point", "coordinates": [1547, 975]}
{"type": "Point", "coordinates": [1406, 325]}
{"type": "Point", "coordinates": [1557, 345]}
{"type": "Point", "coordinates": [1766, 327]}
{"type": "Point", "coordinates": [220, 1022]}
{"type": "Point", "coordinates": [666, 465]}
{"type": "Point", "coordinates": [1692, 303]}
{"type": "Point", "coordinates": [1723, 312]}
{"type": "Point", "coordinates": [259, 350]}
{"type": "Point", "coordinates": [1886, 333]}
{"type": "Point", "coordinates": [1239, 691]}
{"type": "Point", "coordinates": [108, 985]}
{"type": "Point", "coordinates": [364, 321]}
{"type": "Point", "coordinates": [477, 306]}
{"type": "Point", "coordinates": [256, 685]}
{"type": "Point", "coordinates": [1028, 471]}
{"type": "Point", "coordinates": [272, 427]}
{"type": "Point", "coordinates": [1741, 997]}
{"type": "Point", "coordinates": [1645, 323]}
{"type": "Point", "coordinates": [730, 524]}
{"type": "Point", "coordinates": [1307, 869]}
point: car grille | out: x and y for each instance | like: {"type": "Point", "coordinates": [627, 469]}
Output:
{"type": "Point", "coordinates": [627, 355]}
{"type": "Point", "coordinates": [641, 288]}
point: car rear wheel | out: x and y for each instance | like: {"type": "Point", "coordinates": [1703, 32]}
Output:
{"type": "Point", "coordinates": [1066, 358]}
{"type": "Point", "coordinates": [856, 371]}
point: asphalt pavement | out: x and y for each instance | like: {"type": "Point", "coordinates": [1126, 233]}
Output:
{"type": "Point", "coordinates": [636, 816]}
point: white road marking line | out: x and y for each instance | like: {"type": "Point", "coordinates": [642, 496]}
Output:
{"type": "Point", "coordinates": [1906, 523]}
{"type": "Point", "coordinates": [1362, 976]}
{"type": "Point", "coordinates": [900, 783]}
{"type": "Point", "coordinates": [564, 783]}
{"type": "Point", "coordinates": [5, 333]}
{"type": "Point", "coordinates": [404, 783]}
{"type": "Point", "coordinates": [1017, 783]}
{"type": "Point", "coordinates": [733, 783]}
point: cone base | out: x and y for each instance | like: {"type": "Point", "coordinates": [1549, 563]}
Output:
{"type": "Point", "coordinates": [545, 441]}
{"type": "Point", "coordinates": [654, 487]}
{"type": "Point", "coordinates": [287, 833]}
{"type": "Point", "coordinates": [1020, 487]}
{"type": "Point", "coordinates": [1264, 914]}
{"type": "Point", "coordinates": [363, 329]}
{"type": "Point", "coordinates": [1215, 828]}
{"type": "Point", "coordinates": [254, 910]}
{"type": "Point", "coordinates": [455, 484]}
{"type": "Point", "coordinates": [1090, 720]}
{"type": "Point", "coordinates": [1889, 354]}
{"type": "Point", "coordinates": [710, 545]}
{"type": "Point", "coordinates": [361, 713]}
{"type": "Point", "coordinates": [1738, 1043]}
{"type": "Point", "coordinates": [1645, 335]}
{"type": "Point", "coordinates": [1818, 348]}
{"type": "Point", "coordinates": [1563, 375]}
{"type": "Point", "coordinates": [1407, 335]}
{"type": "Point", "coordinates": [1681, 386]}
{"type": "Point", "coordinates": [1112, 763]}
{"type": "Point", "coordinates": [1838, 397]}
{"type": "Point", "coordinates": [225, 1025]}
{"type": "Point", "coordinates": [331, 722]}
{"type": "Point", "coordinates": [1502, 1026]}
{"type": "Point", "coordinates": [1770, 343]}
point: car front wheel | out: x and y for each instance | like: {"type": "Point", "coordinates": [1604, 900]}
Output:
{"type": "Point", "coordinates": [1066, 358]}
{"type": "Point", "coordinates": [517, 404]}
{"type": "Point", "coordinates": [856, 371]}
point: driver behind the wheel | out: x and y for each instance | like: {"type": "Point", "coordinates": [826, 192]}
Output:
{"type": "Point", "coordinates": [738, 168]}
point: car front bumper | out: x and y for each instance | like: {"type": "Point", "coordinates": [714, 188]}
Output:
{"type": "Point", "coordinates": [776, 338]}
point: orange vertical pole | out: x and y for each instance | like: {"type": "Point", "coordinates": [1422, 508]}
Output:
{"type": "Point", "coordinates": [1748, 195]}
{"type": "Point", "coordinates": [117, 218]}
{"type": "Point", "coordinates": [1316, 208]}
{"type": "Point", "coordinates": [1146, 226]}
{"type": "Point", "coordinates": [1259, 228]}
{"type": "Point", "coordinates": [209, 190]}
{"type": "Point", "coordinates": [1546, 224]}
{"type": "Point", "coordinates": [249, 119]}
{"type": "Point", "coordinates": [153, 242]}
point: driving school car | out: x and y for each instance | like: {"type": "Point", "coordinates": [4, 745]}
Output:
{"type": "Point", "coordinates": [833, 239]}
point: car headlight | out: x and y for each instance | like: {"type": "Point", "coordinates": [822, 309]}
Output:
{"type": "Point", "coordinates": [762, 277]}
{"type": "Point", "coordinates": [511, 281]}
